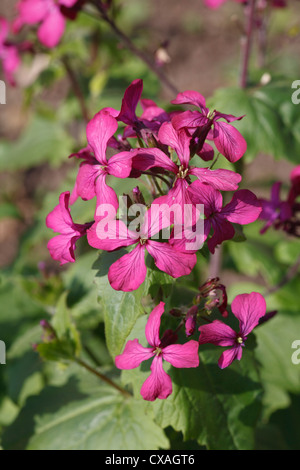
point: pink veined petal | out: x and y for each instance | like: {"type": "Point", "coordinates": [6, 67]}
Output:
{"type": "Point", "coordinates": [217, 333]}
{"type": "Point", "coordinates": [189, 119]}
{"type": "Point", "coordinates": [86, 179]}
{"type": "Point", "coordinates": [152, 112]}
{"type": "Point", "coordinates": [204, 194]}
{"type": "Point", "coordinates": [32, 11]}
{"type": "Point", "coordinates": [99, 130]}
{"type": "Point", "coordinates": [191, 238]}
{"type": "Point", "coordinates": [227, 357]}
{"type": "Point", "coordinates": [207, 153]}
{"type": "Point", "coordinates": [225, 180]}
{"type": "Point", "coordinates": [169, 260]}
{"type": "Point", "coordinates": [244, 208]}
{"type": "Point", "coordinates": [61, 248]}
{"type": "Point", "coordinates": [144, 159]}
{"type": "Point", "coordinates": [248, 309]}
{"type": "Point", "coordinates": [105, 194]}
{"type": "Point", "coordinates": [109, 235]}
{"type": "Point", "coordinates": [133, 355]}
{"type": "Point", "coordinates": [222, 230]}
{"type": "Point", "coordinates": [130, 101]}
{"type": "Point", "coordinates": [158, 384]}
{"type": "Point", "coordinates": [178, 140]}
{"type": "Point", "coordinates": [119, 165]}
{"type": "Point", "coordinates": [190, 97]}
{"type": "Point", "coordinates": [182, 355]}
{"type": "Point", "coordinates": [153, 325]}
{"type": "Point", "coordinates": [52, 28]}
{"type": "Point", "coordinates": [59, 219]}
{"type": "Point", "coordinates": [229, 141]}
{"type": "Point", "coordinates": [129, 272]}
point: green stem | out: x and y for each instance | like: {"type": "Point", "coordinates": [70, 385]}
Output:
{"type": "Point", "coordinates": [103, 377]}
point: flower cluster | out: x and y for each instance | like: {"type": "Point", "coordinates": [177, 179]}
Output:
{"type": "Point", "coordinates": [50, 15]}
{"type": "Point", "coordinates": [158, 146]}
{"type": "Point", "coordinates": [284, 215]}
{"type": "Point", "coordinates": [247, 308]}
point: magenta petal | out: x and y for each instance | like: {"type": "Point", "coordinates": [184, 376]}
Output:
{"type": "Point", "coordinates": [229, 356]}
{"type": "Point", "coordinates": [170, 261]}
{"type": "Point", "coordinates": [62, 247]}
{"type": "Point", "coordinates": [244, 208]}
{"type": "Point", "coordinates": [224, 180]}
{"type": "Point", "coordinates": [105, 195]}
{"type": "Point", "coordinates": [132, 356]}
{"type": "Point", "coordinates": [207, 152]}
{"type": "Point", "coordinates": [59, 219]}
{"type": "Point", "coordinates": [109, 235]}
{"type": "Point", "coordinates": [229, 141]}
{"type": "Point", "coordinates": [223, 230]}
{"type": "Point", "coordinates": [129, 272]}
{"type": "Point", "coordinates": [190, 97]}
{"type": "Point", "coordinates": [214, 4]}
{"type": "Point", "coordinates": [182, 355]}
{"type": "Point", "coordinates": [130, 101]}
{"type": "Point", "coordinates": [189, 119]}
{"type": "Point", "coordinates": [158, 384]}
{"type": "Point", "coordinates": [99, 130]}
{"type": "Point", "coordinates": [32, 11]}
{"type": "Point", "coordinates": [67, 3]}
{"type": "Point", "coordinates": [52, 28]}
{"type": "Point", "coordinates": [204, 194]}
{"type": "Point", "coordinates": [217, 333]}
{"type": "Point", "coordinates": [86, 179]}
{"type": "Point", "coordinates": [119, 165]}
{"type": "Point", "coordinates": [144, 159]}
{"type": "Point", "coordinates": [248, 309]}
{"type": "Point", "coordinates": [153, 325]}
{"type": "Point", "coordinates": [178, 140]}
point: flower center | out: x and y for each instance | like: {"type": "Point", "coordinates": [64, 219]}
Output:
{"type": "Point", "coordinates": [143, 241]}
{"type": "Point", "coordinates": [182, 172]}
{"type": "Point", "coordinates": [239, 340]}
{"type": "Point", "coordinates": [157, 351]}
{"type": "Point", "coordinates": [211, 115]}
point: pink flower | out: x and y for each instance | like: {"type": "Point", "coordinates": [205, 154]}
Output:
{"type": "Point", "coordinates": [227, 138]}
{"type": "Point", "coordinates": [129, 272]}
{"type": "Point", "coordinates": [62, 246]}
{"type": "Point", "coordinates": [295, 189]}
{"type": "Point", "coordinates": [179, 140]}
{"type": "Point", "coordinates": [274, 210]}
{"type": "Point", "coordinates": [152, 117]}
{"type": "Point", "coordinates": [93, 171]}
{"type": "Point", "coordinates": [48, 14]}
{"type": "Point", "coordinates": [159, 383]}
{"type": "Point", "coordinates": [248, 309]}
{"type": "Point", "coordinates": [9, 55]}
{"type": "Point", "coordinates": [244, 208]}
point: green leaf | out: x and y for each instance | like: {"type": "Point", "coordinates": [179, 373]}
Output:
{"type": "Point", "coordinates": [270, 125]}
{"type": "Point", "coordinates": [274, 352]}
{"type": "Point", "coordinates": [83, 415]}
{"type": "Point", "coordinates": [42, 141]}
{"type": "Point", "coordinates": [121, 309]}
